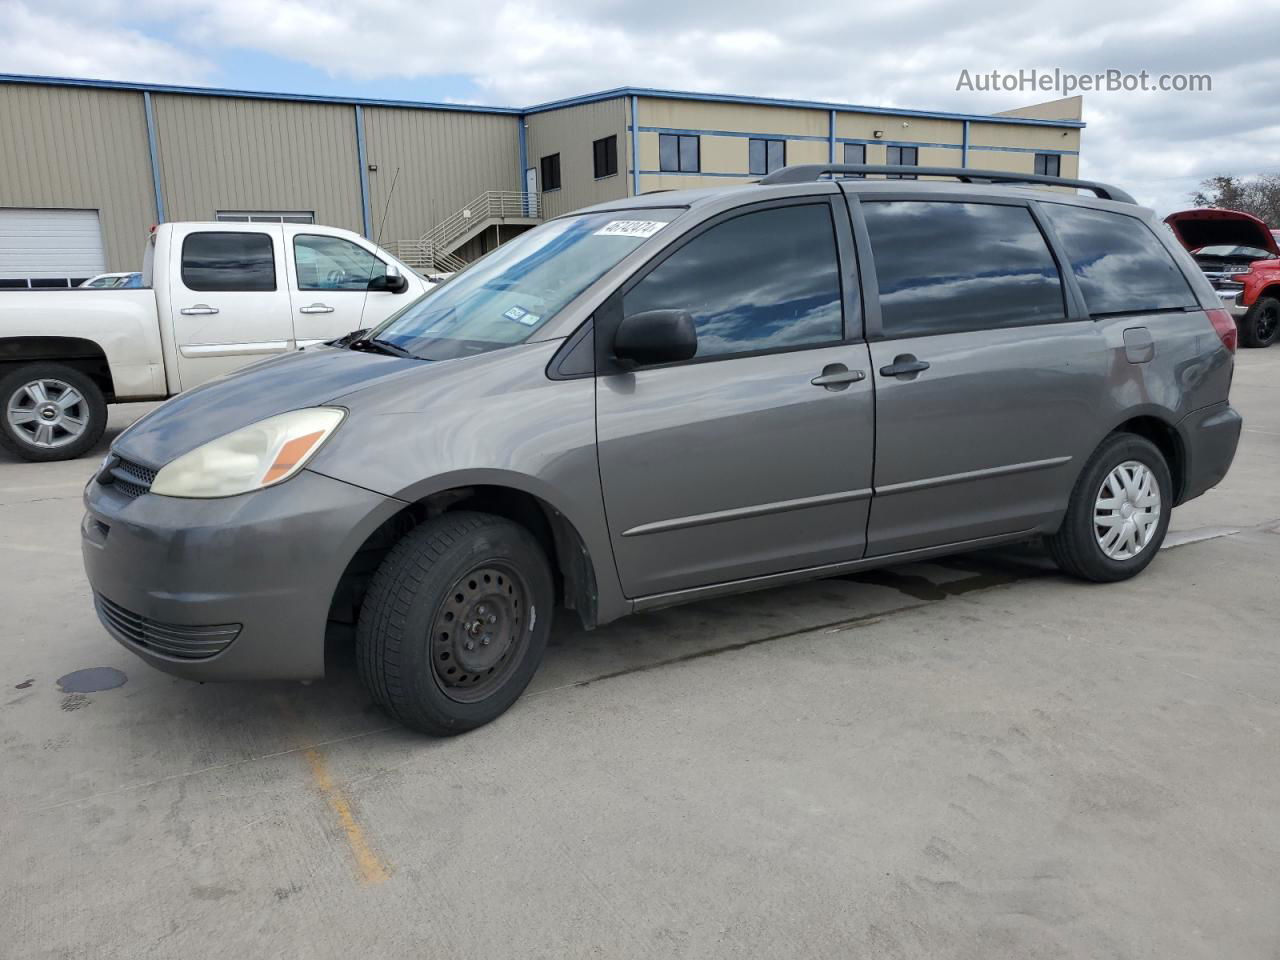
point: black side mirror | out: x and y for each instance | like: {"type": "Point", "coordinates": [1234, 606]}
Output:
{"type": "Point", "coordinates": [656, 336]}
{"type": "Point", "coordinates": [393, 281]}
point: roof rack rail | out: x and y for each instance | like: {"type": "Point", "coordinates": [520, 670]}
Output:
{"type": "Point", "coordinates": [808, 172]}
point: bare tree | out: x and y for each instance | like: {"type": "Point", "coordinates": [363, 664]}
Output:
{"type": "Point", "coordinates": [1258, 195]}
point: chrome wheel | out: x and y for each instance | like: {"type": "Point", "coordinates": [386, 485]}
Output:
{"type": "Point", "coordinates": [47, 413]}
{"type": "Point", "coordinates": [479, 632]}
{"type": "Point", "coordinates": [1126, 512]}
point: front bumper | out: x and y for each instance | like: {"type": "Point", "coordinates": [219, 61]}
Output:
{"type": "Point", "coordinates": [1209, 438]}
{"type": "Point", "coordinates": [231, 589]}
{"type": "Point", "coordinates": [1231, 302]}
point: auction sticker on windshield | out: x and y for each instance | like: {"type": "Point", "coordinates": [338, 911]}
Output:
{"type": "Point", "coordinates": [630, 228]}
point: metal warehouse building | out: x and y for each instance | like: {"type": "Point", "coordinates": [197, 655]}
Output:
{"type": "Point", "coordinates": [86, 167]}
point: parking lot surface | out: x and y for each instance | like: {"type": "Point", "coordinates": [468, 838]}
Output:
{"type": "Point", "coordinates": [971, 758]}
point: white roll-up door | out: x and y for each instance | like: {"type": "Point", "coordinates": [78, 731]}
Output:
{"type": "Point", "coordinates": [40, 244]}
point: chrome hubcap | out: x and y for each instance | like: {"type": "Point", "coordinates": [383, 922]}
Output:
{"type": "Point", "coordinates": [1126, 512]}
{"type": "Point", "coordinates": [47, 413]}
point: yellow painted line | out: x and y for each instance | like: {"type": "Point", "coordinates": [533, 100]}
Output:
{"type": "Point", "coordinates": [372, 870]}
{"type": "Point", "coordinates": [369, 865]}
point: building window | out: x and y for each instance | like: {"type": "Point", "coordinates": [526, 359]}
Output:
{"type": "Point", "coordinates": [605, 156]}
{"type": "Point", "coordinates": [550, 171]}
{"type": "Point", "coordinates": [266, 216]}
{"type": "Point", "coordinates": [1049, 164]}
{"type": "Point", "coordinates": [678, 153]}
{"type": "Point", "coordinates": [903, 157]}
{"type": "Point", "coordinates": [855, 153]}
{"type": "Point", "coordinates": [766, 156]}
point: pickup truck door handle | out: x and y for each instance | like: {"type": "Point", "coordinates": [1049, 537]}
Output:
{"type": "Point", "coordinates": [836, 376]}
{"type": "Point", "coordinates": [904, 365]}
{"type": "Point", "coordinates": [316, 308]}
{"type": "Point", "coordinates": [199, 310]}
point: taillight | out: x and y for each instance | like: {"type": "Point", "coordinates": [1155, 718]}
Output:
{"type": "Point", "coordinates": [1225, 327]}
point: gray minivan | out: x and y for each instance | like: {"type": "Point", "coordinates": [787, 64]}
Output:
{"type": "Point", "coordinates": [667, 398]}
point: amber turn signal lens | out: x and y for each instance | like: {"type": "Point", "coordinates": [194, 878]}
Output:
{"type": "Point", "coordinates": [290, 455]}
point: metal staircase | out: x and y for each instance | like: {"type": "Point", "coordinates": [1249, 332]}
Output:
{"type": "Point", "coordinates": [436, 250]}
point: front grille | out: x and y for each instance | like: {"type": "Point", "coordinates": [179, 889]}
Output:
{"type": "Point", "coordinates": [171, 639]}
{"type": "Point", "coordinates": [131, 479]}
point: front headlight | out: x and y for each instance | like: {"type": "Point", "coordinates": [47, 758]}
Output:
{"type": "Point", "coordinates": [259, 455]}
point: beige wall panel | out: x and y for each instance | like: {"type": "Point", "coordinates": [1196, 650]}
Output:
{"type": "Point", "coordinates": [80, 149]}
{"type": "Point", "coordinates": [1015, 135]}
{"type": "Point", "coordinates": [446, 160]}
{"type": "Point", "coordinates": [744, 118]}
{"type": "Point", "coordinates": [222, 153]}
{"type": "Point", "coordinates": [570, 132]}
{"type": "Point", "coordinates": [862, 126]}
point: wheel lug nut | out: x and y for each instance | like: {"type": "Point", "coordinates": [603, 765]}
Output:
{"type": "Point", "coordinates": [471, 644]}
{"type": "Point", "coordinates": [492, 618]}
{"type": "Point", "coordinates": [484, 642]}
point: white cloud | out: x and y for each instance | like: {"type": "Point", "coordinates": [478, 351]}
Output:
{"type": "Point", "coordinates": [907, 54]}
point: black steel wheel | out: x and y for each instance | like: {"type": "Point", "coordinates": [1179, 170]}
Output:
{"type": "Point", "coordinates": [455, 622]}
{"type": "Point", "coordinates": [1261, 324]}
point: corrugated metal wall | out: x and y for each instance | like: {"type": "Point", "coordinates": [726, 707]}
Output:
{"type": "Point", "coordinates": [570, 132]}
{"type": "Point", "coordinates": [221, 153]}
{"type": "Point", "coordinates": [445, 159]}
{"type": "Point", "coordinates": [83, 149]}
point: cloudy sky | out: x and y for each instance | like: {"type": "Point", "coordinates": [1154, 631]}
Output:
{"type": "Point", "coordinates": [909, 53]}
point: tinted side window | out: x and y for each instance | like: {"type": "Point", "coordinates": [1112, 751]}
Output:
{"type": "Point", "coordinates": [331, 263]}
{"type": "Point", "coordinates": [228, 261]}
{"type": "Point", "coordinates": [760, 281]}
{"type": "Point", "coordinates": [946, 267]}
{"type": "Point", "coordinates": [1120, 265]}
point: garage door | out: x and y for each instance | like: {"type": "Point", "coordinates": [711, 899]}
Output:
{"type": "Point", "coordinates": [43, 247]}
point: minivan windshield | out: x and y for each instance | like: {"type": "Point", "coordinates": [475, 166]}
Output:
{"type": "Point", "coordinates": [509, 295]}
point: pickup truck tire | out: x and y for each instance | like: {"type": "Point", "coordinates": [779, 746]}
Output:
{"type": "Point", "coordinates": [1261, 325]}
{"type": "Point", "coordinates": [50, 411]}
{"type": "Point", "coordinates": [455, 622]}
{"type": "Point", "coordinates": [1118, 513]}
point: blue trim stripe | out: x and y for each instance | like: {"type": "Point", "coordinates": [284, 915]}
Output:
{"type": "Point", "coordinates": [614, 94]}
{"type": "Point", "coordinates": [524, 163]}
{"type": "Point", "coordinates": [155, 155]}
{"type": "Point", "coordinates": [831, 137]}
{"type": "Point", "coordinates": [964, 146]}
{"type": "Point", "coordinates": [695, 173]}
{"type": "Point", "coordinates": [363, 160]}
{"type": "Point", "coordinates": [1061, 153]}
{"type": "Point", "coordinates": [635, 149]}
{"type": "Point", "coordinates": [752, 134]}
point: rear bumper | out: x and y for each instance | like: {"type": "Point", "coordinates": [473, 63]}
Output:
{"type": "Point", "coordinates": [1209, 438]}
{"type": "Point", "coordinates": [231, 589]}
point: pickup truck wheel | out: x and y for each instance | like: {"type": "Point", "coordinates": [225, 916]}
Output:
{"type": "Point", "coordinates": [50, 411]}
{"type": "Point", "coordinates": [455, 622]}
{"type": "Point", "coordinates": [1118, 513]}
{"type": "Point", "coordinates": [1261, 325]}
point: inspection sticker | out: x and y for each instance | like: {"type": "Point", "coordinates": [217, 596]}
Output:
{"type": "Point", "coordinates": [529, 319]}
{"type": "Point", "coordinates": [515, 313]}
{"type": "Point", "coordinates": [630, 228]}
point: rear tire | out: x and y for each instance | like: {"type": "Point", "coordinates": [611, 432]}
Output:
{"type": "Point", "coordinates": [50, 411]}
{"type": "Point", "coordinates": [455, 622]}
{"type": "Point", "coordinates": [1261, 325]}
{"type": "Point", "coordinates": [1118, 513]}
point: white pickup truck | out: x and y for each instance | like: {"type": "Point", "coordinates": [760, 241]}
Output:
{"type": "Point", "coordinates": [215, 296]}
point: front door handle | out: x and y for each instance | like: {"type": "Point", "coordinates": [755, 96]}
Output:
{"type": "Point", "coordinates": [904, 365]}
{"type": "Point", "coordinates": [316, 308]}
{"type": "Point", "coordinates": [836, 376]}
{"type": "Point", "coordinates": [199, 310]}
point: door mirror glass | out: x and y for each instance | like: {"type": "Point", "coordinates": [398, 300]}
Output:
{"type": "Point", "coordinates": [393, 281]}
{"type": "Point", "coordinates": [656, 336]}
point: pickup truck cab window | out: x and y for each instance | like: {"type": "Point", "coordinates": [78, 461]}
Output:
{"type": "Point", "coordinates": [331, 263]}
{"type": "Point", "coordinates": [217, 261]}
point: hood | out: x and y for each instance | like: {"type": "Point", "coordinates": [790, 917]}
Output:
{"type": "Point", "coordinates": [1208, 226]}
{"type": "Point", "coordinates": [306, 378]}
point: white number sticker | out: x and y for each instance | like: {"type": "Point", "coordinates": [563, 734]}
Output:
{"type": "Point", "coordinates": [630, 228]}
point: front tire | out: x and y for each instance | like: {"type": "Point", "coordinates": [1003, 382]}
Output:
{"type": "Point", "coordinates": [50, 411]}
{"type": "Point", "coordinates": [1118, 514]}
{"type": "Point", "coordinates": [455, 622]}
{"type": "Point", "coordinates": [1261, 325]}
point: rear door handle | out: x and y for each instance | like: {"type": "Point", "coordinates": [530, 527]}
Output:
{"type": "Point", "coordinates": [316, 308]}
{"type": "Point", "coordinates": [904, 365]}
{"type": "Point", "coordinates": [836, 376]}
{"type": "Point", "coordinates": [199, 310]}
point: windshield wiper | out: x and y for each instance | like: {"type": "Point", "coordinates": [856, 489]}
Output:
{"type": "Point", "coordinates": [376, 345]}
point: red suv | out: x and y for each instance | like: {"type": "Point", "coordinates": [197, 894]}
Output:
{"type": "Point", "coordinates": [1241, 257]}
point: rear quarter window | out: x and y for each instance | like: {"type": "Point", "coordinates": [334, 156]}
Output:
{"type": "Point", "coordinates": [226, 261]}
{"type": "Point", "coordinates": [1118, 262]}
